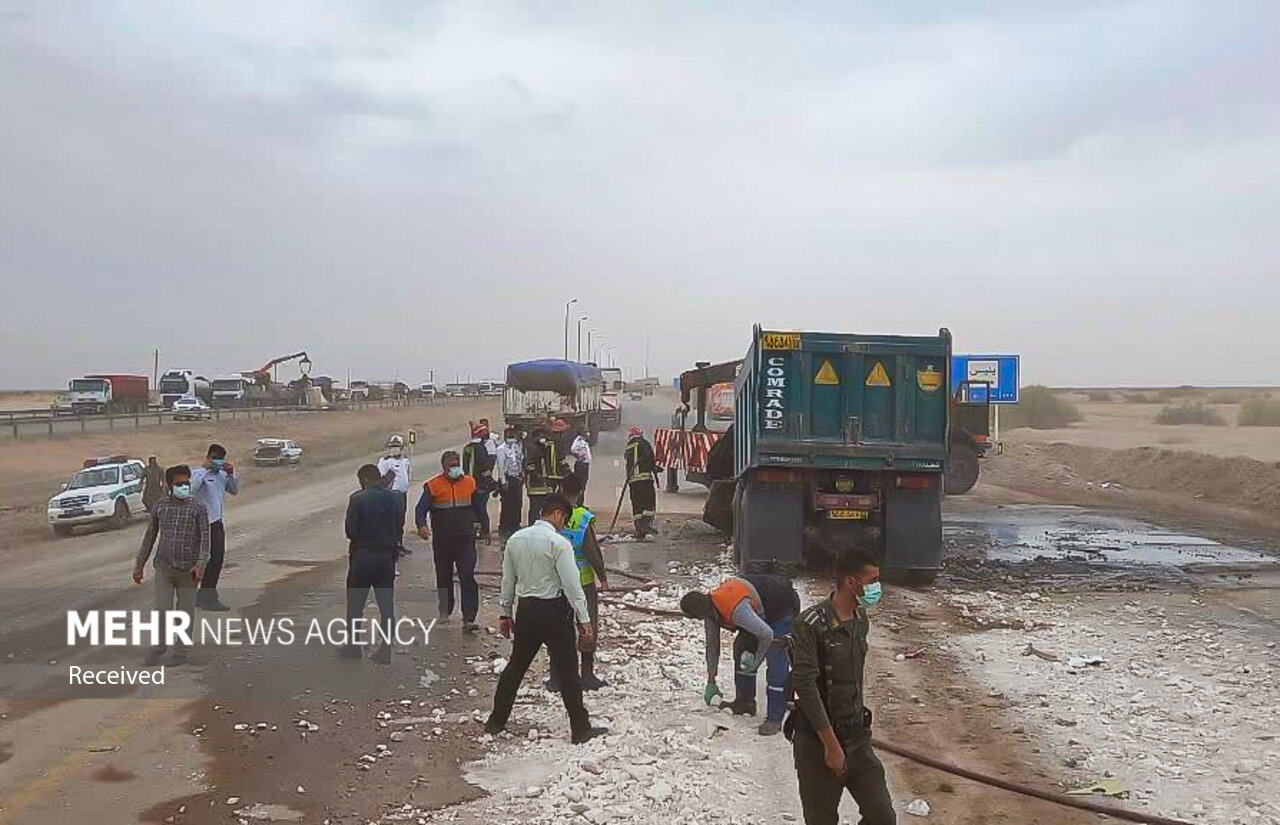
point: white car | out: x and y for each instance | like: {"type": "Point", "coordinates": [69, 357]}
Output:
{"type": "Point", "coordinates": [107, 489]}
{"type": "Point", "coordinates": [190, 408]}
{"type": "Point", "coordinates": [276, 451]}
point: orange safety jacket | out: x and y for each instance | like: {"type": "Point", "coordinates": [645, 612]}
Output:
{"type": "Point", "coordinates": [451, 506]}
{"type": "Point", "coordinates": [728, 595]}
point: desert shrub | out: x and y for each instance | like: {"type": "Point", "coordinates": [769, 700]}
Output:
{"type": "Point", "coordinates": [1138, 398]}
{"type": "Point", "coordinates": [1040, 408]}
{"type": "Point", "coordinates": [1169, 394]}
{"type": "Point", "coordinates": [1259, 412]}
{"type": "Point", "coordinates": [1103, 396]}
{"type": "Point", "coordinates": [1189, 413]}
{"type": "Point", "coordinates": [1225, 397]}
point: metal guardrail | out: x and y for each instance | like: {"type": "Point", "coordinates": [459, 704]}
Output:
{"type": "Point", "coordinates": [47, 422]}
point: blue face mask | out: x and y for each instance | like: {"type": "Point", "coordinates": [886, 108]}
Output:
{"type": "Point", "coordinates": [182, 490]}
{"type": "Point", "coordinates": [871, 594]}
{"type": "Point", "coordinates": [217, 463]}
{"type": "Point", "coordinates": [454, 473]}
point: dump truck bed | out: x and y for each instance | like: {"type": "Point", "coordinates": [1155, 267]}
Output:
{"type": "Point", "coordinates": [843, 401]}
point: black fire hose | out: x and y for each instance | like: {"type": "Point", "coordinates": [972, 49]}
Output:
{"type": "Point", "coordinates": [1047, 796]}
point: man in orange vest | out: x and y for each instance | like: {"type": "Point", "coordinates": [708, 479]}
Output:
{"type": "Point", "coordinates": [759, 608]}
{"type": "Point", "coordinates": [450, 501]}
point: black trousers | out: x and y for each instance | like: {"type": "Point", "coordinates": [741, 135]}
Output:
{"type": "Point", "coordinates": [480, 501]}
{"type": "Point", "coordinates": [374, 569]}
{"type": "Point", "coordinates": [512, 505]}
{"type": "Point", "coordinates": [541, 622]}
{"type": "Point", "coordinates": [457, 552]}
{"type": "Point", "coordinates": [582, 470]}
{"type": "Point", "coordinates": [217, 552]}
{"type": "Point", "coordinates": [821, 790]}
{"type": "Point", "coordinates": [644, 498]}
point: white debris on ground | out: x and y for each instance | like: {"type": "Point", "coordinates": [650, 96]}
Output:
{"type": "Point", "coordinates": [1176, 701]}
{"type": "Point", "coordinates": [667, 758]}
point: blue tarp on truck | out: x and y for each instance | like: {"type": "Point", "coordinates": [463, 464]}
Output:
{"type": "Point", "coordinates": [552, 375]}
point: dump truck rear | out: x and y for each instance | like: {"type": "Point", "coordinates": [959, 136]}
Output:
{"type": "Point", "coordinates": [839, 439]}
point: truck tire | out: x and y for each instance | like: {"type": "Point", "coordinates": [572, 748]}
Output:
{"type": "Point", "coordinates": [120, 517]}
{"type": "Point", "coordinates": [961, 471]}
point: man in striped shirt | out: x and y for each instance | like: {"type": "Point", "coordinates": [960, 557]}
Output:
{"type": "Point", "coordinates": [179, 533]}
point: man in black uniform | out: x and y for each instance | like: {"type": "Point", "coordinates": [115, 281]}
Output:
{"type": "Point", "coordinates": [478, 462]}
{"type": "Point", "coordinates": [831, 726]}
{"type": "Point", "coordinates": [642, 474]}
{"type": "Point", "coordinates": [538, 485]}
{"type": "Point", "coordinates": [375, 529]}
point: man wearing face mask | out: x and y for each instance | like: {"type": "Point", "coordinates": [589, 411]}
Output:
{"type": "Point", "coordinates": [830, 729]}
{"type": "Point", "coordinates": [210, 484]}
{"type": "Point", "coordinates": [449, 501]}
{"type": "Point", "coordinates": [179, 532]}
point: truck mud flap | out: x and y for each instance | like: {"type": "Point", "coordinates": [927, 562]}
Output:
{"type": "Point", "coordinates": [768, 526]}
{"type": "Point", "coordinates": [912, 535]}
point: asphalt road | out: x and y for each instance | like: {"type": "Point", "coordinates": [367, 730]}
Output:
{"type": "Point", "coordinates": [53, 732]}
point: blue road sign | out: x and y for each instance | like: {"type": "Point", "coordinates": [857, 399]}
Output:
{"type": "Point", "coordinates": [995, 373]}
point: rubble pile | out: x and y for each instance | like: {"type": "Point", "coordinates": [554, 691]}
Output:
{"type": "Point", "coordinates": [667, 758]}
{"type": "Point", "coordinates": [1178, 704]}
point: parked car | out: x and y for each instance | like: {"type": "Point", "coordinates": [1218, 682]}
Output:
{"type": "Point", "coordinates": [107, 489]}
{"type": "Point", "coordinates": [276, 451]}
{"type": "Point", "coordinates": [190, 408]}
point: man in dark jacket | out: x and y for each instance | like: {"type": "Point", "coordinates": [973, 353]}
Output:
{"type": "Point", "coordinates": [831, 725]}
{"type": "Point", "coordinates": [375, 519]}
{"type": "Point", "coordinates": [642, 474]}
{"type": "Point", "coordinates": [478, 462]}
{"type": "Point", "coordinates": [152, 484]}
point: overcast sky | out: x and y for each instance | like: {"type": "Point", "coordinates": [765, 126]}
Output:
{"type": "Point", "coordinates": [404, 186]}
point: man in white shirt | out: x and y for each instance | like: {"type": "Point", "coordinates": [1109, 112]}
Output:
{"type": "Point", "coordinates": [538, 568]}
{"type": "Point", "coordinates": [581, 452]}
{"type": "Point", "coordinates": [509, 468]}
{"type": "Point", "coordinates": [397, 475]}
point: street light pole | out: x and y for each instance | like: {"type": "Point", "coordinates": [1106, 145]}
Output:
{"type": "Point", "coordinates": [567, 304]}
{"type": "Point", "coordinates": [580, 320]}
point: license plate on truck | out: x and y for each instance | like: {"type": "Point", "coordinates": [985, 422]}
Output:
{"type": "Point", "coordinates": [849, 515]}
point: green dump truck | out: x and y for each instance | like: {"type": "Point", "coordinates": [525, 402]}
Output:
{"type": "Point", "coordinates": [838, 439]}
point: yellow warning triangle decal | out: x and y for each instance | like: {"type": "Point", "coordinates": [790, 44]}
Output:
{"type": "Point", "coordinates": [826, 374]}
{"type": "Point", "coordinates": [878, 377]}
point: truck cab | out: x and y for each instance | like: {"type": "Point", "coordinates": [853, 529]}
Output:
{"type": "Point", "coordinates": [230, 391]}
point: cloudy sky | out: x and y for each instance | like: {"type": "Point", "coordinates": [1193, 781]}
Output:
{"type": "Point", "coordinates": [404, 186]}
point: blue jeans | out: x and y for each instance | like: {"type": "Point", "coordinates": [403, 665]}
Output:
{"type": "Point", "coordinates": [779, 669]}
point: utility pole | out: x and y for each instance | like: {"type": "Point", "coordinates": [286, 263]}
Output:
{"type": "Point", "coordinates": [580, 320]}
{"type": "Point", "coordinates": [646, 356]}
{"type": "Point", "coordinates": [568, 304]}
{"type": "Point", "coordinates": [155, 370]}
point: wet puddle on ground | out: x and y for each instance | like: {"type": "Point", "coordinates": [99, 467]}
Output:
{"type": "Point", "coordinates": [1026, 532]}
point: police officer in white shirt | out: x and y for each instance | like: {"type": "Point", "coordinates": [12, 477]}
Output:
{"type": "Point", "coordinates": [397, 474]}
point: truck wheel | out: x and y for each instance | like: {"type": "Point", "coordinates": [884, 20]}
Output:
{"type": "Point", "coordinates": [62, 530]}
{"type": "Point", "coordinates": [121, 515]}
{"type": "Point", "coordinates": [962, 470]}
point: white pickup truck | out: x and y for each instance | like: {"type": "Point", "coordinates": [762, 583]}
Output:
{"type": "Point", "coordinates": [107, 489]}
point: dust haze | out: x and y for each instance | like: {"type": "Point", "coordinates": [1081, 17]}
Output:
{"type": "Point", "coordinates": [402, 189]}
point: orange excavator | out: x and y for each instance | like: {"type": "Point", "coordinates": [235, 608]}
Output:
{"type": "Point", "coordinates": [262, 375]}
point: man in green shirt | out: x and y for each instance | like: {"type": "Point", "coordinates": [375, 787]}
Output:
{"type": "Point", "coordinates": [831, 726]}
